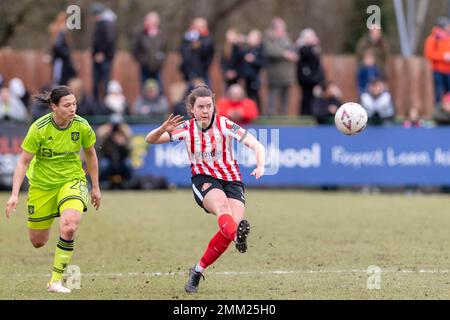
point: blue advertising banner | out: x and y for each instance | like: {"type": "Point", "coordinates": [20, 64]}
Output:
{"type": "Point", "coordinates": [296, 156]}
{"type": "Point", "coordinates": [312, 156]}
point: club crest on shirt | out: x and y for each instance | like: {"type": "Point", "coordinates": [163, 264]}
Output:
{"type": "Point", "coordinates": [75, 136]}
{"type": "Point", "coordinates": [30, 209]}
{"type": "Point", "coordinates": [205, 186]}
{"type": "Point", "coordinates": [47, 152]}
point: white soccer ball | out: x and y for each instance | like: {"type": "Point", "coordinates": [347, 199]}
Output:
{"type": "Point", "coordinates": [350, 118]}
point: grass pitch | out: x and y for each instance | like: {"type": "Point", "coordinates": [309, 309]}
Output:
{"type": "Point", "coordinates": [303, 245]}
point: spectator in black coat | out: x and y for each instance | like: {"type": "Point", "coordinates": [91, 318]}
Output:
{"type": "Point", "coordinates": [149, 48]}
{"type": "Point", "coordinates": [197, 51]}
{"type": "Point", "coordinates": [63, 69]}
{"type": "Point", "coordinates": [231, 56]}
{"type": "Point", "coordinates": [104, 47]}
{"type": "Point", "coordinates": [115, 141]}
{"type": "Point", "coordinates": [326, 102]}
{"type": "Point", "coordinates": [254, 59]}
{"type": "Point", "coordinates": [309, 68]}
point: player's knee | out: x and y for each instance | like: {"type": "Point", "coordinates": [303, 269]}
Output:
{"type": "Point", "coordinates": [38, 243]}
{"type": "Point", "coordinates": [68, 228]}
{"type": "Point", "coordinates": [68, 231]}
{"type": "Point", "coordinates": [223, 207]}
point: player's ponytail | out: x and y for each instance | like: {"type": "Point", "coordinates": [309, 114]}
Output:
{"type": "Point", "coordinates": [53, 96]}
{"type": "Point", "coordinates": [201, 90]}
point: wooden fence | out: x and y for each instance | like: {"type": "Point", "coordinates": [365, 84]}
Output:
{"type": "Point", "coordinates": [410, 80]}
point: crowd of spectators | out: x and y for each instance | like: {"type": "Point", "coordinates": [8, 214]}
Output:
{"type": "Point", "coordinates": [247, 60]}
{"type": "Point", "coordinates": [243, 58]}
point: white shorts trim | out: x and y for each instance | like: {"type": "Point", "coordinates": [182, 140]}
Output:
{"type": "Point", "coordinates": [197, 193]}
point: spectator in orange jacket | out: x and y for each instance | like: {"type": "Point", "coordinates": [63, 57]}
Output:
{"type": "Point", "coordinates": [237, 107]}
{"type": "Point", "coordinates": [437, 50]}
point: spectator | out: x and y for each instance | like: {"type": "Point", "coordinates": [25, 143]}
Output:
{"type": "Point", "coordinates": [327, 101]}
{"type": "Point", "coordinates": [104, 47]}
{"type": "Point", "coordinates": [441, 114]}
{"type": "Point", "coordinates": [375, 42]}
{"type": "Point", "coordinates": [367, 71]}
{"type": "Point", "coordinates": [437, 50]}
{"type": "Point", "coordinates": [17, 89]}
{"type": "Point", "coordinates": [1, 81]}
{"type": "Point", "coordinates": [197, 51]}
{"type": "Point", "coordinates": [149, 48]}
{"type": "Point", "coordinates": [115, 141]}
{"type": "Point", "coordinates": [39, 108]}
{"type": "Point", "coordinates": [309, 68]}
{"type": "Point", "coordinates": [237, 107]}
{"type": "Point", "coordinates": [378, 103]}
{"type": "Point", "coordinates": [413, 119]}
{"type": "Point", "coordinates": [231, 56]}
{"type": "Point", "coordinates": [115, 101]}
{"type": "Point", "coordinates": [85, 104]}
{"type": "Point", "coordinates": [254, 59]}
{"type": "Point", "coordinates": [152, 102]}
{"type": "Point", "coordinates": [11, 107]}
{"type": "Point", "coordinates": [61, 40]}
{"type": "Point", "coordinates": [280, 64]}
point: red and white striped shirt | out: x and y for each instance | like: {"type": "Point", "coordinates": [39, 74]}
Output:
{"type": "Point", "coordinates": [210, 150]}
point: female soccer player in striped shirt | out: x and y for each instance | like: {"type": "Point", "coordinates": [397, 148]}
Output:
{"type": "Point", "coordinates": [216, 180]}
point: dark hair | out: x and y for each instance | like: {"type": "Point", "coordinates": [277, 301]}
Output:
{"type": "Point", "coordinates": [54, 95]}
{"type": "Point", "coordinates": [376, 79]}
{"type": "Point", "coordinates": [201, 90]}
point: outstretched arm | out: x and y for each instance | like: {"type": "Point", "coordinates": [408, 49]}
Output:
{"type": "Point", "coordinates": [92, 167]}
{"type": "Point", "coordinates": [19, 175]}
{"type": "Point", "coordinates": [162, 133]}
{"type": "Point", "coordinates": [260, 152]}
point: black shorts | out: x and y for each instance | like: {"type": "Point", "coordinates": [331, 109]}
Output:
{"type": "Point", "coordinates": [202, 184]}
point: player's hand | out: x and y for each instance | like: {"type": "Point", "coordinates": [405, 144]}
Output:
{"type": "Point", "coordinates": [172, 122]}
{"type": "Point", "coordinates": [11, 205]}
{"type": "Point", "coordinates": [96, 198]}
{"type": "Point", "coordinates": [258, 172]}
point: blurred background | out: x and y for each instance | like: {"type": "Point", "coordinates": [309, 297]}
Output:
{"type": "Point", "coordinates": [281, 68]}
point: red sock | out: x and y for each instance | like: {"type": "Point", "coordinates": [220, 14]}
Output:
{"type": "Point", "coordinates": [227, 226]}
{"type": "Point", "coordinates": [218, 244]}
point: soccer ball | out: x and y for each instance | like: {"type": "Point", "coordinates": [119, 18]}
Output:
{"type": "Point", "coordinates": [350, 118]}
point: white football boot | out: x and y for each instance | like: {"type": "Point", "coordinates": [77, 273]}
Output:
{"type": "Point", "coordinates": [57, 287]}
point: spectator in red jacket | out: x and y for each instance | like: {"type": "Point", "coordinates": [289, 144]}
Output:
{"type": "Point", "coordinates": [437, 50]}
{"type": "Point", "coordinates": [237, 107]}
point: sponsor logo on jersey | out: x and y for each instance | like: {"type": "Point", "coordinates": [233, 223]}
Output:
{"type": "Point", "coordinates": [235, 128]}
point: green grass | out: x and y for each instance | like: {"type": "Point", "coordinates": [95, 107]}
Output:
{"type": "Point", "coordinates": [325, 240]}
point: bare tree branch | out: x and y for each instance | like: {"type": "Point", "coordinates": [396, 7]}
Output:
{"type": "Point", "coordinates": [11, 25]}
{"type": "Point", "coordinates": [223, 14]}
